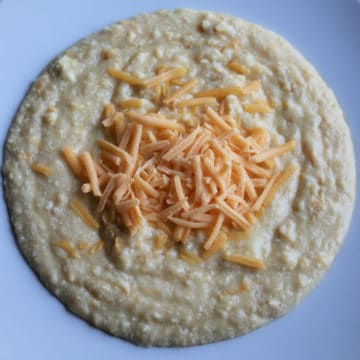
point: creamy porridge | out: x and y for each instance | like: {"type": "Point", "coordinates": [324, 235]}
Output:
{"type": "Point", "coordinates": [181, 183]}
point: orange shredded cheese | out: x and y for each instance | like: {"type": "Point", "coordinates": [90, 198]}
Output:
{"type": "Point", "coordinates": [182, 145]}
{"type": "Point", "coordinates": [124, 76]}
{"type": "Point", "coordinates": [154, 121]}
{"type": "Point", "coordinates": [115, 150]}
{"type": "Point", "coordinates": [84, 214]}
{"type": "Point", "coordinates": [110, 158]}
{"type": "Point", "coordinates": [239, 68]}
{"type": "Point", "coordinates": [280, 180]}
{"type": "Point", "coordinates": [209, 167]}
{"type": "Point", "coordinates": [73, 161]}
{"type": "Point", "coordinates": [245, 261]}
{"type": "Point", "coordinates": [91, 172]}
{"type": "Point", "coordinates": [205, 100]}
{"type": "Point", "coordinates": [214, 232]}
{"type": "Point", "coordinates": [198, 176]}
{"type": "Point", "coordinates": [217, 245]}
{"type": "Point", "coordinates": [276, 151]}
{"type": "Point", "coordinates": [165, 76]}
{"type": "Point", "coordinates": [180, 191]}
{"type": "Point", "coordinates": [259, 106]}
{"type": "Point", "coordinates": [250, 87]}
{"type": "Point", "coordinates": [230, 90]}
{"type": "Point", "coordinates": [188, 224]}
{"type": "Point", "coordinates": [173, 209]}
{"type": "Point", "coordinates": [134, 145]}
{"type": "Point", "coordinates": [232, 214]}
{"type": "Point", "coordinates": [127, 204]}
{"type": "Point", "coordinates": [220, 92]}
{"type": "Point", "coordinates": [183, 90]}
{"type": "Point", "coordinates": [105, 195]}
{"type": "Point", "coordinates": [131, 103]}
{"type": "Point", "coordinates": [214, 177]}
{"type": "Point", "coordinates": [41, 169]}
{"type": "Point", "coordinates": [260, 200]}
{"type": "Point", "coordinates": [68, 248]}
{"type": "Point", "coordinates": [148, 189]}
{"type": "Point", "coordinates": [219, 121]}
{"type": "Point", "coordinates": [156, 146]}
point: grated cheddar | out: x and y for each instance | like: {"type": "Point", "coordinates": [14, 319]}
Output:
{"type": "Point", "coordinates": [215, 177]}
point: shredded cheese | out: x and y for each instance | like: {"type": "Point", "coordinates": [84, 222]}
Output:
{"type": "Point", "coordinates": [214, 232]}
{"type": "Point", "coordinates": [188, 224]}
{"type": "Point", "coordinates": [232, 214]}
{"type": "Point", "coordinates": [217, 245]}
{"type": "Point", "coordinates": [183, 90]}
{"type": "Point", "coordinates": [73, 161]}
{"type": "Point", "coordinates": [104, 197]}
{"type": "Point", "coordinates": [209, 167]}
{"type": "Point", "coordinates": [182, 145]}
{"type": "Point", "coordinates": [217, 119]}
{"type": "Point", "coordinates": [156, 146]}
{"type": "Point", "coordinates": [148, 189]}
{"type": "Point", "coordinates": [115, 150]}
{"type": "Point", "coordinates": [131, 103]}
{"type": "Point", "coordinates": [180, 191]}
{"type": "Point", "coordinates": [280, 180]}
{"type": "Point", "coordinates": [196, 161]}
{"type": "Point", "coordinates": [260, 106]}
{"type": "Point", "coordinates": [205, 100]}
{"type": "Point", "coordinates": [68, 248]}
{"type": "Point", "coordinates": [84, 214]}
{"type": "Point", "coordinates": [91, 172]}
{"type": "Point", "coordinates": [245, 261]}
{"type": "Point", "coordinates": [165, 76]}
{"type": "Point", "coordinates": [154, 121]}
{"type": "Point", "coordinates": [221, 92]}
{"type": "Point", "coordinates": [251, 87]}
{"type": "Point", "coordinates": [41, 169]}
{"type": "Point", "coordinates": [239, 68]}
{"type": "Point", "coordinates": [173, 209]}
{"type": "Point", "coordinates": [127, 204]}
{"type": "Point", "coordinates": [215, 177]}
{"type": "Point", "coordinates": [276, 151]}
{"type": "Point", "coordinates": [124, 76]}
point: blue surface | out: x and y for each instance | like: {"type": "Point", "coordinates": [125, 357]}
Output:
{"type": "Point", "coordinates": [34, 325]}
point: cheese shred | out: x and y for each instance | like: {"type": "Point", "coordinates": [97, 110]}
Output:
{"type": "Point", "coordinates": [245, 261]}
{"type": "Point", "coordinates": [84, 214]}
{"type": "Point", "coordinates": [215, 178]}
{"type": "Point", "coordinates": [41, 169]}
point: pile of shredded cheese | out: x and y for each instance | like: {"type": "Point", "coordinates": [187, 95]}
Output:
{"type": "Point", "coordinates": [213, 177]}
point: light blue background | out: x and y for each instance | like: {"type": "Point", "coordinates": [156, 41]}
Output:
{"type": "Point", "coordinates": [34, 325]}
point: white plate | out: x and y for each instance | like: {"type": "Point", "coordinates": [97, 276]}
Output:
{"type": "Point", "coordinates": [34, 325]}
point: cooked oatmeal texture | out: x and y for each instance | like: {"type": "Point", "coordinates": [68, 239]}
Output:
{"type": "Point", "coordinates": [147, 287]}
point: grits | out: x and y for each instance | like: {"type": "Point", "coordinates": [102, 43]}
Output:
{"type": "Point", "coordinates": [132, 288]}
